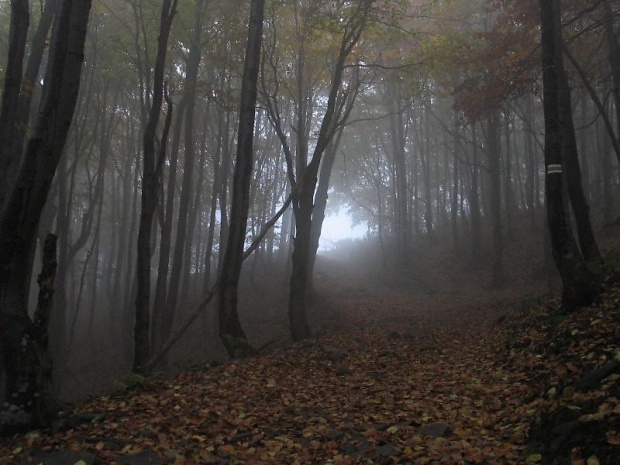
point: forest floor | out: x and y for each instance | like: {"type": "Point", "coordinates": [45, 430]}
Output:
{"type": "Point", "coordinates": [443, 370]}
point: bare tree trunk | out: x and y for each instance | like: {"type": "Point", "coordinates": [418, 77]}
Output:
{"type": "Point", "coordinates": [455, 188]}
{"type": "Point", "coordinates": [474, 199]}
{"type": "Point", "coordinates": [149, 200]}
{"type": "Point", "coordinates": [320, 202]}
{"type": "Point", "coordinates": [191, 79]}
{"type": "Point", "coordinates": [22, 368]}
{"type": "Point", "coordinates": [509, 201]}
{"type": "Point", "coordinates": [578, 284]}
{"type": "Point", "coordinates": [161, 285]}
{"type": "Point", "coordinates": [305, 205]}
{"type": "Point", "coordinates": [614, 59]}
{"type": "Point", "coordinates": [213, 206]}
{"type": "Point", "coordinates": [18, 36]}
{"type": "Point", "coordinates": [400, 171]}
{"type": "Point", "coordinates": [493, 140]}
{"type": "Point", "coordinates": [230, 329]}
{"type": "Point", "coordinates": [425, 159]}
{"type": "Point", "coordinates": [570, 156]}
{"type": "Point", "coordinates": [530, 157]}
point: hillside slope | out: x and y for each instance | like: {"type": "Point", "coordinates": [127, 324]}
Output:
{"type": "Point", "coordinates": [457, 373]}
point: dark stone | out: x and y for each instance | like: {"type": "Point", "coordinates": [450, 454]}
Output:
{"type": "Point", "coordinates": [414, 334]}
{"type": "Point", "coordinates": [334, 435]}
{"type": "Point", "coordinates": [147, 457]}
{"type": "Point", "coordinates": [73, 421]}
{"type": "Point", "coordinates": [387, 450]}
{"type": "Point", "coordinates": [333, 354]}
{"type": "Point", "coordinates": [435, 430]}
{"type": "Point", "coordinates": [565, 429]}
{"type": "Point", "coordinates": [594, 378]}
{"type": "Point", "coordinates": [355, 448]}
{"type": "Point", "coordinates": [380, 426]}
{"type": "Point", "coordinates": [343, 371]}
{"type": "Point", "coordinates": [63, 457]}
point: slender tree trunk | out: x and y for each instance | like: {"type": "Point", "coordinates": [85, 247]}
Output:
{"type": "Point", "coordinates": [425, 158]}
{"type": "Point", "coordinates": [400, 172]}
{"type": "Point", "coordinates": [223, 192]}
{"type": "Point", "coordinates": [191, 79]}
{"type": "Point", "coordinates": [320, 202]}
{"type": "Point", "coordinates": [475, 199]}
{"type": "Point", "coordinates": [578, 201]}
{"type": "Point", "coordinates": [494, 139]}
{"type": "Point", "coordinates": [149, 198]}
{"type": "Point", "coordinates": [455, 188]}
{"type": "Point", "coordinates": [509, 201]}
{"type": "Point", "coordinates": [213, 206]}
{"type": "Point", "coordinates": [165, 245]}
{"type": "Point", "coordinates": [193, 219]}
{"type": "Point", "coordinates": [614, 59]}
{"type": "Point", "coordinates": [230, 329]}
{"type": "Point", "coordinates": [607, 173]}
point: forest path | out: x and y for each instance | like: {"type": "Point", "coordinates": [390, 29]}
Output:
{"type": "Point", "coordinates": [395, 376]}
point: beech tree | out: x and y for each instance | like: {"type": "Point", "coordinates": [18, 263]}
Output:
{"type": "Point", "coordinates": [579, 287]}
{"type": "Point", "coordinates": [150, 196]}
{"type": "Point", "coordinates": [230, 329]}
{"type": "Point", "coordinates": [24, 363]}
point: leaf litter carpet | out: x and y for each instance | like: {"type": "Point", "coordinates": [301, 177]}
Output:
{"type": "Point", "coordinates": [391, 378]}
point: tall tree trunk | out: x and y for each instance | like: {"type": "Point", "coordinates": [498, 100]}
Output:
{"type": "Point", "coordinates": [494, 152]}
{"type": "Point", "coordinates": [425, 159]}
{"type": "Point", "coordinates": [165, 245]}
{"type": "Point", "coordinates": [454, 204]}
{"type": "Point", "coordinates": [578, 284]}
{"type": "Point", "coordinates": [191, 79]}
{"type": "Point", "coordinates": [400, 172]}
{"type": "Point", "coordinates": [509, 201]}
{"type": "Point", "coordinates": [151, 169]}
{"type": "Point", "coordinates": [530, 157]}
{"type": "Point", "coordinates": [474, 199]}
{"type": "Point", "coordinates": [23, 379]}
{"type": "Point", "coordinates": [18, 36]}
{"type": "Point", "coordinates": [230, 329]}
{"type": "Point", "coordinates": [570, 158]}
{"type": "Point", "coordinates": [320, 202]}
{"type": "Point", "coordinates": [305, 204]}
{"type": "Point", "coordinates": [614, 58]}
{"type": "Point", "coordinates": [213, 207]}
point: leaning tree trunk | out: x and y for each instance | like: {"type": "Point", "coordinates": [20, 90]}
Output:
{"type": "Point", "coordinates": [23, 350]}
{"type": "Point", "coordinates": [579, 288]}
{"type": "Point", "coordinates": [570, 158]}
{"type": "Point", "coordinates": [320, 203]}
{"type": "Point", "coordinates": [230, 329]}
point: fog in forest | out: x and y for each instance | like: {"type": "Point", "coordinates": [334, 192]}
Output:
{"type": "Point", "coordinates": [369, 151]}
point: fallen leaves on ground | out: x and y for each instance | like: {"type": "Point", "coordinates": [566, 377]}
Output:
{"type": "Point", "coordinates": [392, 382]}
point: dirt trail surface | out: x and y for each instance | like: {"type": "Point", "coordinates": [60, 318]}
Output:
{"type": "Point", "coordinates": [395, 375]}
